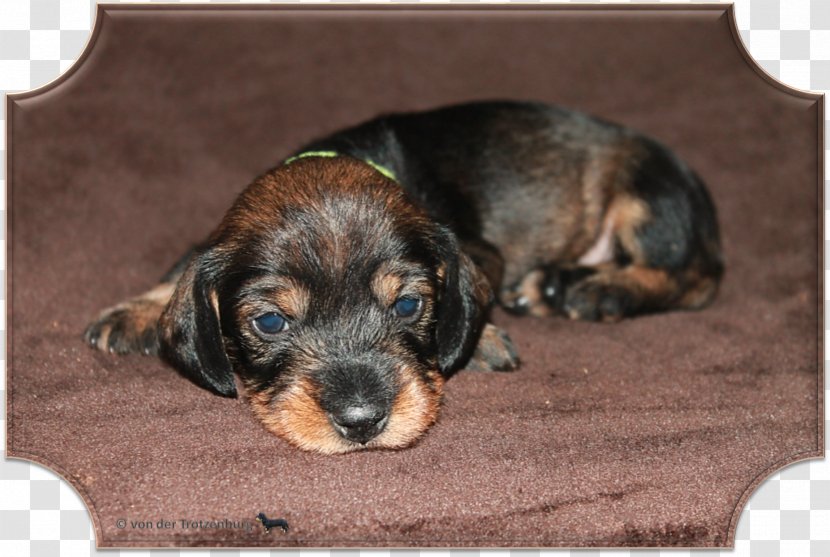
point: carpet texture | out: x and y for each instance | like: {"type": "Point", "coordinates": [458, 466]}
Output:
{"type": "Point", "coordinates": [653, 431]}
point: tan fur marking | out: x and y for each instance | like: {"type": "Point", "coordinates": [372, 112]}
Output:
{"type": "Point", "coordinates": [629, 214]}
{"type": "Point", "coordinates": [415, 409]}
{"type": "Point", "coordinates": [386, 285]}
{"type": "Point", "coordinates": [161, 293]}
{"type": "Point", "coordinates": [144, 316]}
{"type": "Point", "coordinates": [293, 300]}
{"type": "Point", "coordinates": [655, 281]}
{"type": "Point", "coordinates": [531, 288]}
{"type": "Point", "coordinates": [390, 281]}
{"type": "Point", "coordinates": [296, 416]}
{"type": "Point", "coordinates": [214, 302]}
{"type": "Point", "coordinates": [653, 287]}
{"type": "Point", "coordinates": [290, 297]}
{"type": "Point", "coordinates": [143, 312]}
{"type": "Point", "coordinates": [494, 351]}
{"type": "Point", "coordinates": [441, 272]}
{"type": "Point", "coordinates": [645, 280]}
{"type": "Point", "coordinates": [101, 344]}
{"type": "Point", "coordinates": [700, 294]}
{"type": "Point", "coordinates": [597, 182]}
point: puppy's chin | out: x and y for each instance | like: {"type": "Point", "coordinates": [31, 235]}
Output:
{"type": "Point", "coordinates": [296, 416]}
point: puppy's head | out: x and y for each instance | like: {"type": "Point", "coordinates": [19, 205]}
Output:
{"type": "Point", "coordinates": [339, 304]}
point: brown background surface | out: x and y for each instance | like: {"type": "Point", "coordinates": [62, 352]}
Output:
{"type": "Point", "coordinates": [649, 432]}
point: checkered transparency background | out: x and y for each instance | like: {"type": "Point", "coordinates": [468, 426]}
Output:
{"type": "Point", "coordinates": [42, 516]}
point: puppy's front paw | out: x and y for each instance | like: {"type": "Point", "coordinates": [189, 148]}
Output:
{"type": "Point", "coordinates": [495, 352]}
{"type": "Point", "coordinates": [125, 328]}
{"type": "Point", "coordinates": [131, 326]}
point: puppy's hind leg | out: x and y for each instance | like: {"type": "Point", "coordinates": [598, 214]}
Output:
{"type": "Point", "coordinates": [667, 251]}
{"type": "Point", "coordinates": [132, 325]}
{"type": "Point", "coordinates": [659, 250]}
{"type": "Point", "coordinates": [612, 294]}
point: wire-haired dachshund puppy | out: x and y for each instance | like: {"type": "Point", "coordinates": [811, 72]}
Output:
{"type": "Point", "coordinates": [345, 285]}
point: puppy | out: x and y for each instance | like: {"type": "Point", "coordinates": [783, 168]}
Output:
{"type": "Point", "coordinates": [345, 286]}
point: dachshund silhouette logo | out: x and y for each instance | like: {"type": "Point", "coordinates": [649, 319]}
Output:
{"type": "Point", "coordinates": [269, 523]}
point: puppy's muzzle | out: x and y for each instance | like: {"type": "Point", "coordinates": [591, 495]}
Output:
{"type": "Point", "coordinates": [360, 423]}
{"type": "Point", "coordinates": [357, 400]}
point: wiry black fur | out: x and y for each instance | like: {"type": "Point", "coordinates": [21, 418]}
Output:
{"type": "Point", "coordinates": [471, 167]}
{"type": "Point", "coordinates": [503, 197]}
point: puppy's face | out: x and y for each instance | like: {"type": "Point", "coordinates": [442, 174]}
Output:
{"type": "Point", "coordinates": [338, 303]}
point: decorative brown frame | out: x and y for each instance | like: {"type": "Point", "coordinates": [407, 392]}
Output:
{"type": "Point", "coordinates": [729, 12]}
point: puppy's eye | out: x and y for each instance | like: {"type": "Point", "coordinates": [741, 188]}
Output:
{"type": "Point", "coordinates": [407, 306]}
{"type": "Point", "coordinates": [270, 324]}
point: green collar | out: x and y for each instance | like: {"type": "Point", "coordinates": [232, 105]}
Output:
{"type": "Point", "coordinates": [328, 154]}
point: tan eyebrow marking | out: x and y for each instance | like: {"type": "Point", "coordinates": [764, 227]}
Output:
{"type": "Point", "coordinates": [386, 284]}
{"type": "Point", "coordinates": [289, 295]}
{"type": "Point", "coordinates": [393, 279]}
{"type": "Point", "coordinates": [293, 300]}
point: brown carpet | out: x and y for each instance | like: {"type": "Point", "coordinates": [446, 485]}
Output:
{"type": "Point", "coordinates": [650, 432]}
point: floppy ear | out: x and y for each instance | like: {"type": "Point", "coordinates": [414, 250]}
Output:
{"type": "Point", "coordinates": [189, 331]}
{"type": "Point", "coordinates": [463, 303]}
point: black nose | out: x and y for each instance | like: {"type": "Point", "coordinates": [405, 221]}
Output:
{"type": "Point", "coordinates": [359, 423]}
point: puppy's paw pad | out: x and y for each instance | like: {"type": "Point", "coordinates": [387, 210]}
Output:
{"type": "Point", "coordinates": [495, 352]}
{"type": "Point", "coordinates": [125, 328]}
{"type": "Point", "coordinates": [526, 296]}
{"type": "Point", "coordinates": [594, 301]}
{"type": "Point", "coordinates": [514, 302]}
{"type": "Point", "coordinates": [557, 280]}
